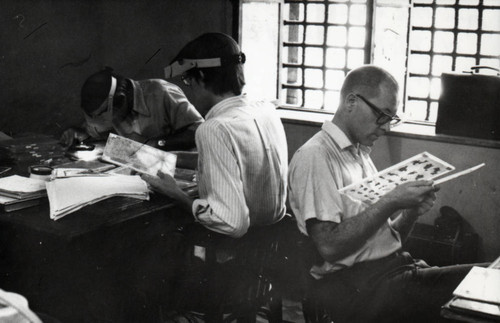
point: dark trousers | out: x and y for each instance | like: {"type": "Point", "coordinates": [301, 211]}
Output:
{"type": "Point", "coordinates": [397, 288]}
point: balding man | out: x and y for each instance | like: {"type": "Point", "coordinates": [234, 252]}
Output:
{"type": "Point", "coordinates": [362, 274]}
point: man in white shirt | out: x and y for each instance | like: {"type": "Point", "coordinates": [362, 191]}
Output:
{"type": "Point", "coordinates": [242, 166]}
{"type": "Point", "coordinates": [242, 145]}
{"type": "Point", "coordinates": [363, 276]}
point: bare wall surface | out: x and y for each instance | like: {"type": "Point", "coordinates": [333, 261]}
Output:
{"type": "Point", "coordinates": [48, 49]}
{"type": "Point", "coordinates": [475, 196]}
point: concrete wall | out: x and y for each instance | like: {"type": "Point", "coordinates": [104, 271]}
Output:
{"type": "Point", "coordinates": [475, 196]}
{"type": "Point", "coordinates": [49, 47]}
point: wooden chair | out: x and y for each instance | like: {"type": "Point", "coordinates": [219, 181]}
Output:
{"type": "Point", "coordinates": [311, 306]}
{"type": "Point", "coordinates": [255, 258]}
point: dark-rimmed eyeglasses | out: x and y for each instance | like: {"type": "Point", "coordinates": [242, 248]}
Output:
{"type": "Point", "coordinates": [382, 117]}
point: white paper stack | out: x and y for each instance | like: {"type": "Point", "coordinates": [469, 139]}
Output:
{"type": "Point", "coordinates": [67, 195]}
{"type": "Point", "coordinates": [20, 187]}
{"type": "Point", "coordinates": [480, 284]}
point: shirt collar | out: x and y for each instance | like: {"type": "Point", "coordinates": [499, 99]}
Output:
{"type": "Point", "coordinates": [340, 138]}
{"type": "Point", "coordinates": [222, 106]}
{"type": "Point", "coordinates": [139, 104]}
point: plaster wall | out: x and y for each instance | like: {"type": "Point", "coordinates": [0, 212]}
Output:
{"type": "Point", "coordinates": [49, 47]}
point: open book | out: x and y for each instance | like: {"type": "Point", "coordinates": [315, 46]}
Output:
{"type": "Point", "coordinates": [69, 194]}
{"type": "Point", "coordinates": [423, 166]}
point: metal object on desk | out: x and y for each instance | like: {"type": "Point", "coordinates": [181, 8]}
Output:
{"type": "Point", "coordinates": [41, 172]}
{"type": "Point", "coordinates": [83, 151]}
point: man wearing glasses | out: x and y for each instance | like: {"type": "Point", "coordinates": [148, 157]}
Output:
{"type": "Point", "coordinates": [361, 274]}
{"type": "Point", "coordinates": [151, 111]}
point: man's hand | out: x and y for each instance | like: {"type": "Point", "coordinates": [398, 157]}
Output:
{"type": "Point", "coordinates": [163, 183]}
{"type": "Point", "coordinates": [71, 135]}
{"type": "Point", "coordinates": [426, 204]}
{"type": "Point", "coordinates": [166, 184]}
{"type": "Point", "coordinates": [417, 194]}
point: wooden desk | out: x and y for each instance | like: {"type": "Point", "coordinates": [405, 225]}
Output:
{"type": "Point", "coordinates": [72, 267]}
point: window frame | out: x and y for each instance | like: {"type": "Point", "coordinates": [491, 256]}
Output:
{"type": "Point", "coordinates": [368, 48]}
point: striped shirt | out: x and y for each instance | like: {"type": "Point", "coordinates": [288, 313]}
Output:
{"type": "Point", "coordinates": [242, 167]}
{"type": "Point", "coordinates": [323, 165]}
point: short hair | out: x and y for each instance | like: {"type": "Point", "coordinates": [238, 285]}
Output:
{"type": "Point", "coordinates": [221, 79]}
{"type": "Point", "coordinates": [96, 88]}
{"type": "Point", "coordinates": [368, 79]}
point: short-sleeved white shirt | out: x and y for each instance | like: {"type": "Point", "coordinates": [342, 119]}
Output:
{"type": "Point", "coordinates": [160, 109]}
{"type": "Point", "coordinates": [323, 165]}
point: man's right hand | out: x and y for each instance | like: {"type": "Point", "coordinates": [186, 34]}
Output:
{"type": "Point", "coordinates": [71, 135]}
{"type": "Point", "coordinates": [410, 195]}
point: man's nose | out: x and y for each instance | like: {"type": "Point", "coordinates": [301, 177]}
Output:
{"type": "Point", "coordinates": [386, 126]}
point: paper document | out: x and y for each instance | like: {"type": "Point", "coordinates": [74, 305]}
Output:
{"type": "Point", "coordinates": [138, 156]}
{"type": "Point", "coordinates": [73, 172]}
{"type": "Point", "coordinates": [481, 284]}
{"type": "Point", "coordinates": [70, 194]}
{"type": "Point", "coordinates": [20, 187]}
{"type": "Point", "coordinates": [423, 166]}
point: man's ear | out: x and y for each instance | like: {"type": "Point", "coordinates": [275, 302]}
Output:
{"type": "Point", "coordinates": [201, 79]}
{"type": "Point", "coordinates": [350, 101]}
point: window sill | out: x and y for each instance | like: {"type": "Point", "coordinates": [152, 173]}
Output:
{"type": "Point", "coordinates": [405, 130]}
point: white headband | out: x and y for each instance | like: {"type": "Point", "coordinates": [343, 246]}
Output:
{"type": "Point", "coordinates": [112, 90]}
{"type": "Point", "coordinates": [183, 65]}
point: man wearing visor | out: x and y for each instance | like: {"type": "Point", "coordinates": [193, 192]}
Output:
{"type": "Point", "coordinates": [361, 274]}
{"type": "Point", "coordinates": [150, 111]}
{"type": "Point", "coordinates": [242, 162]}
{"type": "Point", "coordinates": [242, 145]}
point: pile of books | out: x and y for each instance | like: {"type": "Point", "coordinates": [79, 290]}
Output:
{"type": "Point", "coordinates": [18, 192]}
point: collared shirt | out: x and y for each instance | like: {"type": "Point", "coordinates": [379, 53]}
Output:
{"type": "Point", "coordinates": [323, 165]}
{"type": "Point", "coordinates": [14, 308]}
{"type": "Point", "coordinates": [160, 108]}
{"type": "Point", "coordinates": [243, 162]}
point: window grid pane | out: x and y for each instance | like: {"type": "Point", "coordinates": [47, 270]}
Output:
{"type": "Point", "coordinates": [322, 41]}
{"type": "Point", "coordinates": [448, 36]}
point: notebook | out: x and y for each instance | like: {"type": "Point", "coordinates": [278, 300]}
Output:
{"type": "Point", "coordinates": [480, 284]}
{"type": "Point", "coordinates": [16, 186]}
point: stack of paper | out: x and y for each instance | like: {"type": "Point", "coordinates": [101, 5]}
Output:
{"type": "Point", "coordinates": [20, 187]}
{"type": "Point", "coordinates": [67, 195]}
{"type": "Point", "coordinates": [18, 192]}
{"type": "Point", "coordinates": [481, 284]}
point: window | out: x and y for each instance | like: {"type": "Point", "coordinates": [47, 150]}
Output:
{"type": "Point", "coordinates": [447, 35]}
{"type": "Point", "coordinates": [321, 40]}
